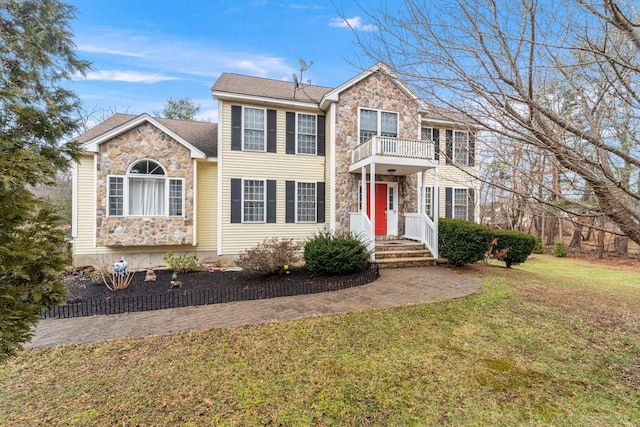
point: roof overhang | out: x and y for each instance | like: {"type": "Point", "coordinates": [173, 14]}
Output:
{"type": "Point", "coordinates": [94, 144]}
{"type": "Point", "coordinates": [262, 100]}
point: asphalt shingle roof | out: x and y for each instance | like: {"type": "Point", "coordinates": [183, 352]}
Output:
{"type": "Point", "coordinates": [202, 135]}
{"type": "Point", "coordinates": [239, 84]}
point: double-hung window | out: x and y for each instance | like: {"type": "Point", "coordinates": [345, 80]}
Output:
{"type": "Point", "coordinates": [306, 207]}
{"type": "Point", "coordinates": [145, 191]}
{"type": "Point", "coordinates": [253, 200]}
{"type": "Point", "coordinates": [461, 148]}
{"type": "Point", "coordinates": [254, 129]}
{"type": "Point", "coordinates": [376, 122]}
{"type": "Point", "coordinates": [460, 203]}
{"type": "Point", "coordinates": [428, 201]}
{"type": "Point", "coordinates": [306, 134]}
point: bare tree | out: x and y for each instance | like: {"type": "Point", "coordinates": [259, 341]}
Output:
{"type": "Point", "coordinates": [562, 79]}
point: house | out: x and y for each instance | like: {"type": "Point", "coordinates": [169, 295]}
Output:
{"type": "Point", "coordinates": [284, 160]}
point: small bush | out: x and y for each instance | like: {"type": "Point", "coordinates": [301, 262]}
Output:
{"type": "Point", "coordinates": [539, 247]}
{"type": "Point", "coordinates": [516, 246]}
{"type": "Point", "coordinates": [329, 253]}
{"type": "Point", "coordinates": [560, 250]}
{"type": "Point", "coordinates": [181, 263]}
{"type": "Point", "coordinates": [462, 242]}
{"type": "Point", "coordinates": [270, 256]}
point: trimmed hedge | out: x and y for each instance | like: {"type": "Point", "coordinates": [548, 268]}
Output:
{"type": "Point", "coordinates": [463, 242]}
{"type": "Point", "coordinates": [520, 245]}
{"type": "Point", "coordinates": [329, 253]}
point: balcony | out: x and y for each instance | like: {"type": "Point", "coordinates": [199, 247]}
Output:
{"type": "Point", "coordinates": [395, 156]}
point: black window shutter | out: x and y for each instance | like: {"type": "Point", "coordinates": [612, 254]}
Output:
{"type": "Point", "coordinates": [472, 204]}
{"type": "Point", "coordinates": [291, 133]}
{"type": "Point", "coordinates": [236, 127]}
{"type": "Point", "coordinates": [449, 147]}
{"type": "Point", "coordinates": [272, 131]}
{"type": "Point", "coordinates": [448, 202]}
{"type": "Point", "coordinates": [236, 200]}
{"type": "Point", "coordinates": [321, 135]}
{"type": "Point", "coordinates": [271, 201]}
{"type": "Point", "coordinates": [320, 198]}
{"type": "Point", "coordinates": [436, 140]}
{"type": "Point", "coordinates": [472, 148]}
{"type": "Point", "coordinates": [290, 195]}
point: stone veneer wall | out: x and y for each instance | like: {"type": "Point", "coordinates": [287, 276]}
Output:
{"type": "Point", "coordinates": [114, 158]}
{"type": "Point", "coordinates": [379, 92]}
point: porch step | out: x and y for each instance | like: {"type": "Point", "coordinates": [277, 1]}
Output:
{"type": "Point", "coordinates": [406, 262]}
{"type": "Point", "coordinates": [402, 253]}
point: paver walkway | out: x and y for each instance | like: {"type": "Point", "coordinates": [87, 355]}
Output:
{"type": "Point", "coordinates": [395, 287]}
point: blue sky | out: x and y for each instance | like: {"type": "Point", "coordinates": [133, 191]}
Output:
{"type": "Point", "coordinates": [144, 52]}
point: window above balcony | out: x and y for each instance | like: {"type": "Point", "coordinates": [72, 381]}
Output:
{"type": "Point", "coordinates": [377, 123]}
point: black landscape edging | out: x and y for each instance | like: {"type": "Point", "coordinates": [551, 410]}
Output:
{"type": "Point", "coordinates": [117, 305]}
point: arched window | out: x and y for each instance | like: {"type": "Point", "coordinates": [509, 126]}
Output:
{"type": "Point", "coordinates": [145, 191]}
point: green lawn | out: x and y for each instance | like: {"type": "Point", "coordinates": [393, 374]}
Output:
{"type": "Point", "coordinates": [551, 342]}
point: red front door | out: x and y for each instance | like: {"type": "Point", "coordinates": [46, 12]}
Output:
{"type": "Point", "coordinates": [381, 208]}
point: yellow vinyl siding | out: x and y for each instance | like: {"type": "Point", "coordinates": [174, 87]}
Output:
{"type": "Point", "coordinates": [207, 200]}
{"type": "Point", "coordinates": [280, 167]}
{"type": "Point", "coordinates": [84, 241]}
{"type": "Point", "coordinates": [449, 175]}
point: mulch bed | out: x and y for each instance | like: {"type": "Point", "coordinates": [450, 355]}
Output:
{"type": "Point", "coordinates": [196, 288]}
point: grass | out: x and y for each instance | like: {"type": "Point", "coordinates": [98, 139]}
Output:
{"type": "Point", "coordinates": [551, 342]}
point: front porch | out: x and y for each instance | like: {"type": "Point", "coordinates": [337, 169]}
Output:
{"type": "Point", "coordinates": [379, 162]}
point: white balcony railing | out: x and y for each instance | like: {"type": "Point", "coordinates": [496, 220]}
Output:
{"type": "Point", "coordinates": [394, 147]}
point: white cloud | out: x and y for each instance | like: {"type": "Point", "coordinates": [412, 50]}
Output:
{"type": "Point", "coordinates": [353, 23]}
{"type": "Point", "coordinates": [126, 76]}
{"type": "Point", "coordinates": [108, 51]}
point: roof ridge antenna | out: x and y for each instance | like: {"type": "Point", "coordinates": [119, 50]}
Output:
{"type": "Point", "coordinates": [297, 81]}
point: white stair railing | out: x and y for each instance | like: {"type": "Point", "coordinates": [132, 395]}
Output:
{"type": "Point", "coordinates": [360, 225]}
{"type": "Point", "coordinates": [421, 228]}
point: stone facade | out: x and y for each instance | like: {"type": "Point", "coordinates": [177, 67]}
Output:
{"type": "Point", "coordinates": [115, 157]}
{"type": "Point", "coordinates": [379, 92]}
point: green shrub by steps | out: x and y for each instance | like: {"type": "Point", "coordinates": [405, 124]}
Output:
{"type": "Point", "coordinates": [520, 245]}
{"type": "Point", "coordinates": [463, 242]}
{"type": "Point", "coordinates": [329, 253]}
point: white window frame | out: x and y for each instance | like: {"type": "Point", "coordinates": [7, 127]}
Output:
{"type": "Point", "coordinates": [315, 135]}
{"type": "Point", "coordinates": [454, 205]}
{"type": "Point", "coordinates": [378, 121]}
{"type": "Point", "coordinates": [123, 196]}
{"type": "Point", "coordinates": [125, 192]}
{"type": "Point", "coordinates": [182, 206]}
{"type": "Point", "coordinates": [430, 133]}
{"type": "Point", "coordinates": [428, 208]}
{"type": "Point", "coordinates": [264, 129]}
{"type": "Point", "coordinates": [315, 203]}
{"type": "Point", "coordinates": [457, 149]}
{"type": "Point", "coordinates": [264, 201]}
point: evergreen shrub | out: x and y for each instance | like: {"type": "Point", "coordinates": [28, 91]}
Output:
{"type": "Point", "coordinates": [519, 245]}
{"type": "Point", "coordinates": [329, 253]}
{"type": "Point", "coordinates": [463, 242]}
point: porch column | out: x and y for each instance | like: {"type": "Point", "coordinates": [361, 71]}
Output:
{"type": "Point", "coordinates": [363, 184]}
{"type": "Point", "coordinates": [436, 208]}
{"type": "Point", "coordinates": [372, 197]}
{"type": "Point", "coordinates": [420, 195]}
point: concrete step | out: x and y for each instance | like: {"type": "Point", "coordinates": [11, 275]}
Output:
{"type": "Point", "coordinates": [406, 262]}
{"type": "Point", "coordinates": [403, 254]}
{"type": "Point", "coordinates": [404, 246]}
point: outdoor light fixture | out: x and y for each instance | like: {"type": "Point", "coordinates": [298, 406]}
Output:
{"type": "Point", "coordinates": [391, 171]}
